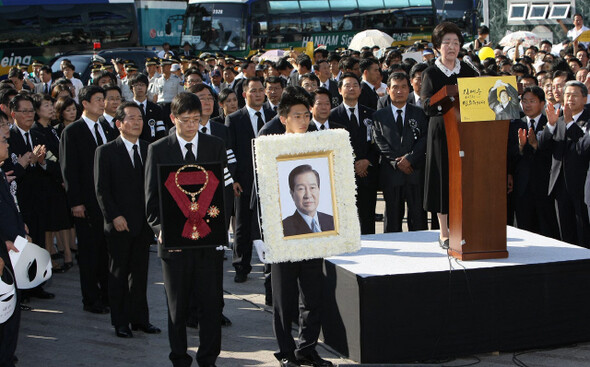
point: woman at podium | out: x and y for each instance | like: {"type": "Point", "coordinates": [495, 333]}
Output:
{"type": "Point", "coordinates": [447, 40]}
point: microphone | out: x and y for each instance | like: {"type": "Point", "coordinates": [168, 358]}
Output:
{"type": "Point", "coordinates": [467, 60]}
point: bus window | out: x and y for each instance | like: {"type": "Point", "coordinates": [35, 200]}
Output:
{"type": "Point", "coordinates": [370, 4]}
{"type": "Point", "coordinates": [316, 15]}
{"type": "Point", "coordinates": [216, 27]}
{"type": "Point", "coordinates": [343, 5]}
{"type": "Point", "coordinates": [389, 4]}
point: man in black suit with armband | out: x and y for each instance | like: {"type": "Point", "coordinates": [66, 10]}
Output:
{"type": "Point", "coordinates": [400, 136]}
{"type": "Point", "coordinates": [76, 151]}
{"type": "Point", "coordinates": [244, 125]}
{"type": "Point", "coordinates": [118, 175]}
{"type": "Point", "coordinates": [11, 226]}
{"type": "Point", "coordinates": [189, 269]}
{"type": "Point", "coordinates": [569, 143]}
{"type": "Point", "coordinates": [357, 120]}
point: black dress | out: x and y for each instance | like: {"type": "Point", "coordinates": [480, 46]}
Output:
{"type": "Point", "coordinates": [436, 186]}
{"type": "Point", "coordinates": [58, 211]}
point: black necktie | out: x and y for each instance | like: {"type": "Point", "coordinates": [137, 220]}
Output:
{"type": "Point", "coordinates": [142, 110]}
{"type": "Point", "coordinates": [274, 108]}
{"type": "Point", "coordinates": [533, 124]}
{"type": "Point", "coordinates": [204, 129]}
{"type": "Point", "coordinates": [399, 122]}
{"type": "Point", "coordinates": [323, 127]}
{"type": "Point", "coordinates": [99, 141]}
{"type": "Point", "coordinates": [189, 157]}
{"type": "Point", "coordinates": [353, 120]}
{"type": "Point", "coordinates": [28, 142]}
{"type": "Point", "coordinates": [137, 159]}
{"type": "Point", "coordinates": [260, 122]}
{"type": "Point", "coordinates": [46, 89]}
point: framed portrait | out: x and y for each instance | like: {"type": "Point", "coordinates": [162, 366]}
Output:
{"type": "Point", "coordinates": [306, 190]}
{"type": "Point", "coordinates": [192, 205]}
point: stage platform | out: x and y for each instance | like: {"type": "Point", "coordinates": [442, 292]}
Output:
{"type": "Point", "coordinates": [402, 299]}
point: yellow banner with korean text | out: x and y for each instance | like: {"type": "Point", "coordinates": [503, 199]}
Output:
{"type": "Point", "coordinates": [488, 98]}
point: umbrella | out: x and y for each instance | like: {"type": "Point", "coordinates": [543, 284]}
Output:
{"type": "Point", "coordinates": [583, 37]}
{"type": "Point", "coordinates": [370, 38]}
{"type": "Point", "coordinates": [272, 55]}
{"type": "Point", "coordinates": [528, 39]}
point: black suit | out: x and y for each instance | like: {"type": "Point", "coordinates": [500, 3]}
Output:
{"type": "Point", "coordinates": [153, 118]}
{"type": "Point", "coordinates": [570, 150]}
{"type": "Point", "coordinates": [119, 191]}
{"type": "Point", "coordinates": [30, 191]}
{"type": "Point", "coordinates": [295, 224]}
{"type": "Point", "coordinates": [239, 89]}
{"type": "Point", "coordinates": [368, 97]}
{"type": "Point", "coordinates": [241, 134]}
{"type": "Point", "coordinates": [363, 148]}
{"type": "Point", "coordinates": [76, 151]}
{"type": "Point", "coordinates": [11, 226]}
{"type": "Point", "coordinates": [335, 97]}
{"type": "Point", "coordinates": [113, 131]}
{"type": "Point", "coordinates": [534, 208]}
{"type": "Point", "coordinates": [384, 101]}
{"type": "Point", "coordinates": [267, 105]}
{"type": "Point", "coordinates": [187, 270]}
{"type": "Point", "coordinates": [400, 188]}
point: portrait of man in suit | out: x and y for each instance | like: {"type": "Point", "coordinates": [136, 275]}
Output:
{"type": "Point", "coordinates": [304, 189]}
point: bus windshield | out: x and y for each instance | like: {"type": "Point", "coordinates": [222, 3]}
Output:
{"type": "Point", "coordinates": [215, 26]}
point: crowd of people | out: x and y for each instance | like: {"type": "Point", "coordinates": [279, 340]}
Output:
{"type": "Point", "coordinates": [76, 160]}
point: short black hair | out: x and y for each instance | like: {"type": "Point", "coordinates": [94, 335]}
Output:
{"type": "Point", "coordinates": [185, 102]}
{"type": "Point", "coordinates": [528, 76]}
{"type": "Point", "coordinates": [88, 91]}
{"type": "Point", "coordinates": [46, 68]}
{"type": "Point", "coordinates": [366, 63]}
{"type": "Point", "coordinates": [39, 98]}
{"type": "Point", "coordinates": [15, 72]}
{"type": "Point", "coordinates": [247, 81]}
{"type": "Point", "coordinates": [320, 91]}
{"type": "Point", "coordinates": [292, 96]}
{"type": "Point", "coordinates": [139, 78]}
{"type": "Point", "coordinates": [274, 80]}
{"type": "Point", "coordinates": [6, 95]}
{"type": "Point", "coordinates": [483, 30]}
{"type": "Point", "coordinates": [16, 100]}
{"type": "Point", "coordinates": [304, 61]}
{"type": "Point", "coordinates": [192, 71]}
{"type": "Point", "coordinates": [347, 75]}
{"type": "Point", "coordinates": [120, 113]}
{"type": "Point", "coordinates": [109, 87]}
{"type": "Point", "coordinates": [334, 57]}
{"type": "Point", "coordinates": [299, 170]}
{"type": "Point", "coordinates": [310, 76]}
{"type": "Point", "coordinates": [398, 76]}
{"type": "Point", "coordinates": [200, 87]}
{"type": "Point", "coordinates": [225, 93]}
{"type": "Point", "coordinates": [284, 64]}
{"type": "Point", "coordinates": [417, 68]}
{"type": "Point", "coordinates": [535, 90]}
{"type": "Point", "coordinates": [348, 63]}
{"type": "Point", "coordinates": [104, 74]}
{"type": "Point", "coordinates": [519, 68]}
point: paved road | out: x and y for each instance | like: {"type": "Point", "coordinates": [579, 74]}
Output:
{"type": "Point", "coordinates": [58, 333]}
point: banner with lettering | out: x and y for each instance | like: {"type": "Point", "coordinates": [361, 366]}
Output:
{"type": "Point", "coordinates": [488, 98]}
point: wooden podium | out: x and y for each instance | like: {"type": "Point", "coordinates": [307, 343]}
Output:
{"type": "Point", "coordinates": [477, 181]}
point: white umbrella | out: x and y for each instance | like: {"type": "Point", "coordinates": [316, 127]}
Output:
{"type": "Point", "coordinates": [272, 55]}
{"type": "Point", "coordinates": [370, 38]}
{"type": "Point", "coordinates": [528, 39]}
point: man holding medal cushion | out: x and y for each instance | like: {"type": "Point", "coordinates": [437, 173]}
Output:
{"type": "Point", "coordinates": [189, 269]}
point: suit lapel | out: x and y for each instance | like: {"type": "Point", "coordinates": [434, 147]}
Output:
{"type": "Point", "coordinates": [174, 151]}
{"type": "Point", "coordinates": [122, 152]}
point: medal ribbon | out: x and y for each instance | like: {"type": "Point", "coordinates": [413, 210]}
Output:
{"type": "Point", "coordinates": [194, 218]}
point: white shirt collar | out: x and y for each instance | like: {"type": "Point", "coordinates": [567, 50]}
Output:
{"type": "Point", "coordinates": [536, 118]}
{"type": "Point", "coordinates": [394, 110]}
{"type": "Point", "coordinates": [22, 132]}
{"type": "Point", "coordinates": [448, 72]}
{"type": "Point", "coordinates": [110, 119]}
{"type": "Point", "coordinates": [208, 126]}
{"type": "Point", "coordinates": [129, 145]}
{"type": "Point", "coordinates": [308, 219]}
{"type": "Point", "coordinates": [140, 103]}
{"type": "Point", "coordinates": [183, 142]}
{"type": "Point", "coordinates": [319, 124]}
{"type": "Point", "coordinates": [577, 115]}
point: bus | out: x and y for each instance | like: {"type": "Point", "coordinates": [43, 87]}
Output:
{"type": "Point", "coordinates": [237, 27]}
{"type": "Point", "coordinates": [41, 29]}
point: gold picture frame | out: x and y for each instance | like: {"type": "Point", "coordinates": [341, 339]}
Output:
{"type": "Point", "coordinates": [330, 154]}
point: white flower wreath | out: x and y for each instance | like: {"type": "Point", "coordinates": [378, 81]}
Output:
{"type": "Point", "coordinates": [347, 237]}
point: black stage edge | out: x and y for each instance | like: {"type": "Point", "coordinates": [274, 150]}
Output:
{"type": "Point", "coordinates": [446, 314]}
